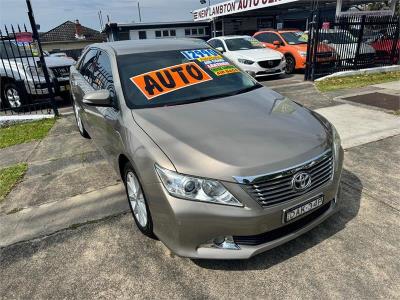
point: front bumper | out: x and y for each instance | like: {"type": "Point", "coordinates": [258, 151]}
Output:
{"type": "Point", "coordinates": [39, 88]}
{"type": "Point", "coordinates": [261, 72]}
{"type": "Point", "coordinates": [187, 227]}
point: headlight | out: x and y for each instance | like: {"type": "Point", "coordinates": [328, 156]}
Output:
{"type": "Point", "coordinates": [337, 143]}
{"type": "Point", "coordinates": [303, 53]}
{"type": "Point", "coordinates": [245, 61]}
{"type": "Point", "coordinates": [194, 188]}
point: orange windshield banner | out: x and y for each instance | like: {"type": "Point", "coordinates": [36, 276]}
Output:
{"type": "Point", "coordinates": [167, 80]}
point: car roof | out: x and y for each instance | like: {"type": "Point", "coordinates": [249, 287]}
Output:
{"type": "Point", "coordinates": [280, 30]}
{"type": "Point", "coordinates": [156, 45]}
{"type": "Point", "coordinates": [228, 37]}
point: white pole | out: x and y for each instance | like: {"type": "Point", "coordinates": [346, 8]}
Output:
{"type": "Point", "coordinates": [339, 7]}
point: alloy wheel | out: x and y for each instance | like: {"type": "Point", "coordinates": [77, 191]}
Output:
{"type": "Point", "coordinates": [290, 64]}
{"type": "Point", "coordinates": [136, 199]}
{"type": "Point", "coordinates": [13, 97]}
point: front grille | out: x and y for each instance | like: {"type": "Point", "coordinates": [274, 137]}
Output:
{"type": "Point", "coordinates": [269, 63]}
{"type": "Point", "coordinates": [276, 188]}
{"type": "Point", "coordinates": [254, 240]}
{"type": "Point", "coordinates": [60, 71]}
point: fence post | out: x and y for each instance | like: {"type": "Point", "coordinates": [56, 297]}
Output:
{"type": "Point", "coordinates": [359, 41]}
{"type": "Point", "coordinates": [395, 40]}
{"type": "Point", "coordinates": [41, 57]}
{"type": "Point", "coordinates": [317, 25]}
{"type": "Point", "coordinates": [310, 35]}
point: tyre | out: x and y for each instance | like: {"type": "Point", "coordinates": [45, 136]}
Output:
{"type": "Point", "coordinates": [137, 201]}
{"type": "Point", "coordinates": [79, 122]}
{"type": "Point", "coordinates": [11, 96]}
{"type": "Point", "coordinates": [290, 64]}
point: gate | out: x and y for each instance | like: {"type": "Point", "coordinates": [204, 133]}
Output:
{"type": "Point", "coordinates": [351, 42]}
{"type": "Point", "coordinates": [25, 84]}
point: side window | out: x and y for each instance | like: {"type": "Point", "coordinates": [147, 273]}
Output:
{"type": "Point", "coordinates": [103, 78]}
{"type": "Point", "coordinates": [87, 66]}
{"type": "Point", "coordinates": [263, 37]}
{"type": "Point", "coordinates": [275, 37]}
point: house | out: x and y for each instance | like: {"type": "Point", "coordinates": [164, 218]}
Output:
{"type": "Point", "coordinates": [70, 37]}
{"type": "Point", "coordinates": [157, 30]}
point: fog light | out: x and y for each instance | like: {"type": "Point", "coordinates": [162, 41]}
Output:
{"type": "Point", "coordinates": [226, 242]}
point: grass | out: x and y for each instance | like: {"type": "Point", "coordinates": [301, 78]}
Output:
{"type": "Point", "coordinates": [9, 177]}
{"type": "Point", "coordinates": [356, 81]}
{"type": "Point", "coordinates": [24, 132]}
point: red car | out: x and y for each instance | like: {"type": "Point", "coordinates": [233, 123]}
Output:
{"type": "Point", "coordinates": [383, 47]}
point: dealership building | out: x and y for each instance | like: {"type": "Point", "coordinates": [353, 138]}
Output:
{"type": "Point", "coordinates": [249, 16]}
{"type": "Point", "coordinates": [239, 17]}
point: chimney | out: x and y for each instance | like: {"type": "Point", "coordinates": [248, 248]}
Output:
{"type": "Point", "coordinates": [78, 30]}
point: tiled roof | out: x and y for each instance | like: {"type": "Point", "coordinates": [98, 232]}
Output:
{"type": "Point", "coordinates": [66, 32]}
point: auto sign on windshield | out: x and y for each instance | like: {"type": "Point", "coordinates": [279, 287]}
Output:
{"type": "Point", "coordinates": [163, 81]}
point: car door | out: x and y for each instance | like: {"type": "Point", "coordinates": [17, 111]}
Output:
{"type": "Point", "coordinates": [81, 83]}
{"type": "Point", "coordinates": [105, 121]}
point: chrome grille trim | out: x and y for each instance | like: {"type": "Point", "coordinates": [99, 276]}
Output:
{"type": "Point", "coordinates": [274, 188]}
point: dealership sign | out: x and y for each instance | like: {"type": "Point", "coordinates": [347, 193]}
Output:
{"type": "Point", "coordinates": [233, 7]}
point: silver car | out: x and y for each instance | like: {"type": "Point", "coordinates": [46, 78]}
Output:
{"type": "Point", "coordinates": [215, 165]}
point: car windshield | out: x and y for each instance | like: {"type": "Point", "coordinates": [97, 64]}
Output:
{"type": "Point", "coordinates": [177, 77]}
{"type": "Point", "coordinates": [13, 49]}
{"type": "Point", "coordinates": [339, 37]}
{"type": "Point", "coordinates": [237, 44]}
{"type": "Point", "coordinates": [295, 37]}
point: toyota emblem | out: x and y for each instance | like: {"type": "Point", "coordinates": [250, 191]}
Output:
{"type": "Point", "coordinates": [301, 181]}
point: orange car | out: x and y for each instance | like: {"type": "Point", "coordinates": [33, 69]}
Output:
{"type": "Point", "coordinates": [293, 44]}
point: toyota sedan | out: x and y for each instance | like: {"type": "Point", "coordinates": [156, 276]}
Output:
{"type": "Point", "coordinates": [215, 165]}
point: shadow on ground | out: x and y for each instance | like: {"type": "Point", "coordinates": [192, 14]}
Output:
{"type": "Point", "coordinates": [349, 207]}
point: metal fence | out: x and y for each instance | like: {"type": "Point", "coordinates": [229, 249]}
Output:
{"type": "Point", "coordinates": [24, 89]}
{"type": "Point", "coordinates": [351, 43]}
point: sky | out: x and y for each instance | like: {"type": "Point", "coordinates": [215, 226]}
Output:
{"type": "Point", "coordinates": [51, 13]}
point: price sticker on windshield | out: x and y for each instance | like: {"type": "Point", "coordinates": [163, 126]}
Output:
{"type": "Point", "coordinates": [199, 54]}
{"type": "Point", "coordinates": [167, 80]}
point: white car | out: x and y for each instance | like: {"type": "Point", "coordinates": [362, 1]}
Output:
{"type": "Point", "coordinates": [345, 45]}
{"type": "Point", "coordinates": [20, 65]}
{"type": "Point", "coordinates": [250, 55]}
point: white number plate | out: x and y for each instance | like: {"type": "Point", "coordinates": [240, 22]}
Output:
{"type": "Point", "coordinates": [301, 209]}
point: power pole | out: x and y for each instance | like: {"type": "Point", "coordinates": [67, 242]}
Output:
{"type": "Point", "coordinates": [140, 15]}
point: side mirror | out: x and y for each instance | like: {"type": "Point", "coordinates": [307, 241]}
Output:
{"type": "Point", "coordinates": [277, 43]}
{"type": "Point", "coordinates": [98, 98]}
{"type": "Point", "coordinates": [220, 49]}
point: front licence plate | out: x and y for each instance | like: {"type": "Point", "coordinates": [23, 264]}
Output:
{"type": "Point", "coordinates": [301, 209]}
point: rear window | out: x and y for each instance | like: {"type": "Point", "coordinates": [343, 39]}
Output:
{"type": "Point", "coordinates": [178, 77]}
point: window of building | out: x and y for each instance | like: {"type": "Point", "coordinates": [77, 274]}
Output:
{"type": "Point", "coordinates": [158, 33]}
{"type": "Point", "coordinates": [142, 35]}
{"type": "Point", "coordinates": [187, 31]}
{"type": "Point", "coordinates": [165, 33]}
{"type": "Point", "coordinates": [123, 35]}
{"type": "Point", "coordinates": [194, 31]}
{"type": "Point", "coordinates": [172, 32]}
{"type": "Point", "coordinates": [201, 31]}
